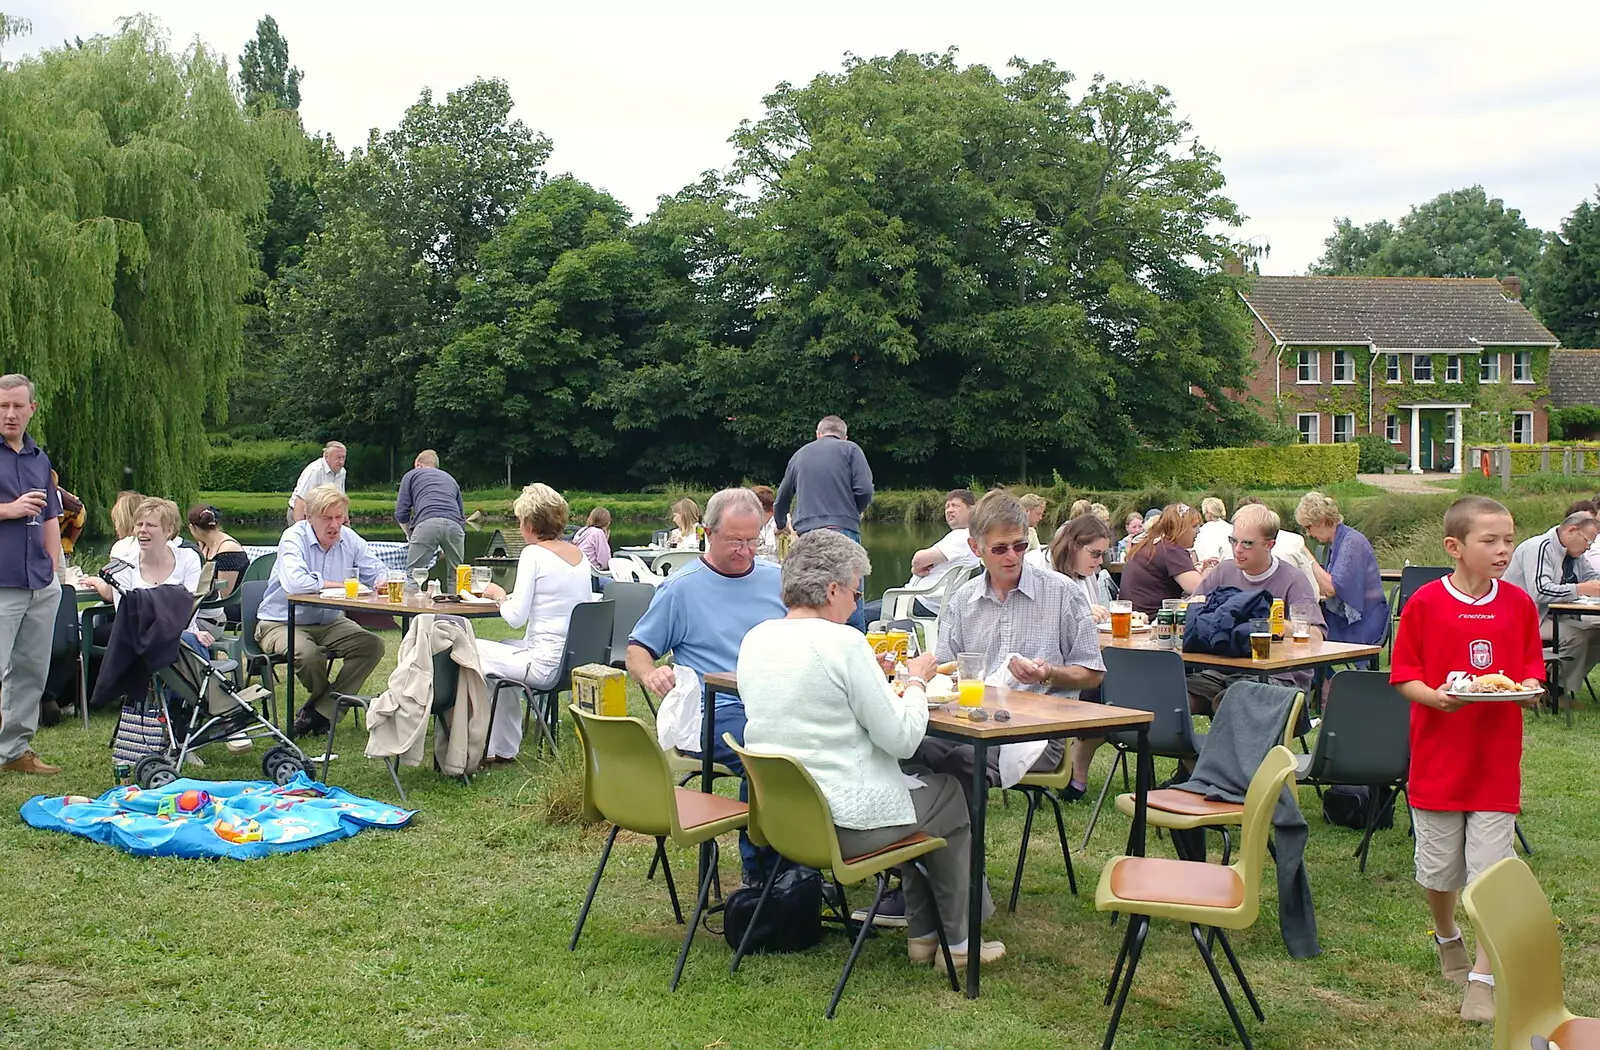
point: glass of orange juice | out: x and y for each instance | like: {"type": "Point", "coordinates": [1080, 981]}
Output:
{"type": "Point", "coordinates": [352, 587]}
{"type": "Point", "coordinates": [969, 669]}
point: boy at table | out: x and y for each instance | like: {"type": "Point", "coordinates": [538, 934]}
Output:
{"type": "Point", "coordinates": [1255, 568]}
{"type": "Point", "coordinates": [1465, 782]}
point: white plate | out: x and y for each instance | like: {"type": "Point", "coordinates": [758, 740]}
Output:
{"type": "Point", "coordinates": [1521, 694]}
{"type": "Point", "coordinates": [1135, 630]}
{"type": "Point", "coordinates": [338, 592]}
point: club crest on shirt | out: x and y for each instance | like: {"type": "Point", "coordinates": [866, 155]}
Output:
{"type": "Point", "coordinates": [1482, 653]}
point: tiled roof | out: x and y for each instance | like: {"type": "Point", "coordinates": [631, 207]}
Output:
{"type": "Point", "coordinates": [1432, 313]}
{"type": "Point", "coordinates": [1574, 378]}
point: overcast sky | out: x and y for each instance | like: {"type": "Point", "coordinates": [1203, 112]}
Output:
{"type": "Point", "coordinates": [1347, 109]}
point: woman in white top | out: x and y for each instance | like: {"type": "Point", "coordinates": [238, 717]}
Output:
{"type": "Point", "coordinates": [553, 576]}
{"type": "Point", "coordinates": [1078, 553]}
{"type": "Point", "coordinates": [813, 690]}
{"type": "Point", "coordinates": [1211, 539]}
{"type": "Point", "coordinates": [154, 562]}
{"type": "Point", "coordinates": [685, 516]}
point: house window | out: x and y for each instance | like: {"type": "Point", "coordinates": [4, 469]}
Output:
{"type": "Point", "coordinates": [1422, 368]}
{"type": "Point", "coordinates": [1452, 368]}
{"type": "Point", "coordinates": [1522, 428]}
{"type": "Point", "coordinates": [1489, 368]}
{"type": "Point", "coordinates": [1391, 428]}
{"type": "Point", "coordinates": [1310, 367]}
{"type": "Point", "coordinates": [1344, 366]}
{"type": "Point", "coordinates": [1310, 427]}
{"type": "Point", "coordinates": [1522, 366]}
{"type": "Point", "coordinates": [1344, 428]}
{"type": "Point", "coordinates": [1391, 368]}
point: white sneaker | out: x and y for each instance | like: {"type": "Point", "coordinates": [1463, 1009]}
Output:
{"type": "Point", "coordinates": [239, 743]}
{"type": "Point", "coordinates": [192, 759]}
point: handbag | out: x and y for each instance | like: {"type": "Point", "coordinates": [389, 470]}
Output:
{"type": "Point", "coordinates": [791, 920]}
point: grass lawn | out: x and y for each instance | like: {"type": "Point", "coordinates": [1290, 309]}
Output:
{"type": "Point", "coordinates": [453, 933]}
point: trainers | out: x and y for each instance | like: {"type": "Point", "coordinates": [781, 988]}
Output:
{"type": "Point", "coordinates": [1453, 961]}
{"type": "Point", "coordinates": [891, 911]}
{"type": "Point", "coordinates": [1477, 1005]}
{"type": "Point", "coordinates": [239, 743]}
{"type": "Point", "coordinates": [28, 762]}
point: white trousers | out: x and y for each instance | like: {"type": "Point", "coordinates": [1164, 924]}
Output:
{"type": "Point", "coordinates": [518, 664]}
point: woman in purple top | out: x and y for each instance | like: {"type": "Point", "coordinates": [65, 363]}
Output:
{"type": "Point", "coordinates": [1350, 587]}
{"type": "Point", "coordinates": [594, 539]}
{"type": "Point", "coordinates": [1161, 566]}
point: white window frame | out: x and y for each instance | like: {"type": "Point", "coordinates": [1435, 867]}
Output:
{"type": "Point", "coordinates": [1526, 421]}
{"type": "Point", "coordinates": [1344, 362]}
{"type": "Point", "coordinates": [1391, 429]}
{"type": "Point", "coordinates": [1315, 436]}
{"type": "Point", "coordinates": [1452, 368]}
{"type": "Point", "coordinates": [1418, 359]}
{"type": "Point", "coordinates": [1522, 366]}
{"type": "Point", "coordinates": [1308, 370]}
{"type": "Point", "coordinates": [1391, 368]}
{"type": "Point", "coordinates": [1488, 368]}
{"type": "Point", "coordinates": [1349, 419]}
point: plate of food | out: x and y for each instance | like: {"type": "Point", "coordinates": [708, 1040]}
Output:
{"type": "Point", "coordinates": [338, 592]}
{"type": "Point", "coordinates": [1141, 623]}
{"type": "Point", "coordinates": [941, 689]}
{"type": "Point", "coordinates": [1489, 687]}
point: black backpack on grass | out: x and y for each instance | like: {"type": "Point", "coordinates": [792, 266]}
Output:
{"type": "Point", "coordinates": [1346, 805]}
{"type": "Point", "coordinates": [791, 920]}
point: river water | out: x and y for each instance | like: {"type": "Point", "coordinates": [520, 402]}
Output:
{"type": "Point", "coordinates": [889, 546]}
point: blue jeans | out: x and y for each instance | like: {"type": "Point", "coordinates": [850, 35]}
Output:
{"type": "Point", "coordinates": [729, 718]}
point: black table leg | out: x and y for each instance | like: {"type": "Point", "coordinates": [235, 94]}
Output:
{"type": "Point", "coordinates": [288, 674]}
{"type": "Point", "coordinates": [979, 803]}
{"type": "Point", "coordinates": [1143, 778]}
{"type": "Point", "coordinates": [708, 729]}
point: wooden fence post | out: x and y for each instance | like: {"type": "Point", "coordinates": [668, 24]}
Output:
{"type": "Point", "coordinates": [1503, 454]}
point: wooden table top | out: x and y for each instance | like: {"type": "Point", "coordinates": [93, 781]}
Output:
{"type": "Point", "coordinates": [1592, 608]}
{"type": "Point", "coordinates": [378, 604]}
{"type": "Point", "coordinates": [1032, 714]}
{"type": "Point", "coordinates": [1286, 655]}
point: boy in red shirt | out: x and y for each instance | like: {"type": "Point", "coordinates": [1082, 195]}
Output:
{"type": "Point", "coordinates": [1465, 784]}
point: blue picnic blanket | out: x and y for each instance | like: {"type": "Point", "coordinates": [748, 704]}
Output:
{"type": "Point", "coordinates": [242, 819]}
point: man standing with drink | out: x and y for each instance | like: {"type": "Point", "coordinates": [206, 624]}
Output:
{"type": "Point", "coordinates": [30, 549]}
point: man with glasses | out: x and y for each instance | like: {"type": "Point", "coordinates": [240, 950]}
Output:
{"type": "Point", "coordinates": [700, 615]}
{"type": "Point", "coordinates": [1551, 567]}
{"type": "Point", "coordinates": [1254, 568]}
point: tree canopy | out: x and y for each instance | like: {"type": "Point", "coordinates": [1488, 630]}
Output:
{"type": "Point", "coordinates": [1462, 233]}
{"type": "Point", "coordinates": [1568, 289]}
{"type": "Point", "coordinates": [127, 172]}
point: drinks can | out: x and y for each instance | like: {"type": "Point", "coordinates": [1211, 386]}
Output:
{"type": "Point", "coordinates": [1276, 619]}
{"type": "Point", "coordinates": [463, 578]}
{"type": "Point", "coordinates": [1164, 628]}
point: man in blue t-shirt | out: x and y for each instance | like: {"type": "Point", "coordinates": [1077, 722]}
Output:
{"type": "Point", "coordinates": [700, 615]}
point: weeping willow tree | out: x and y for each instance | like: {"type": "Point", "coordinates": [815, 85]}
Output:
{"type": "Point", "coordinates": [127, 171]}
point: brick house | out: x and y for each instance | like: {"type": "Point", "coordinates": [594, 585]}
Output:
{"type": "Point", "coordinates": [1434, 364]}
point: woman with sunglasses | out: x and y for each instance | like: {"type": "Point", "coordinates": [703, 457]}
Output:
{"type": "Point", "coordinates": [1079, 552]}
{"type": "Point", "coordinates": [1162, 566]}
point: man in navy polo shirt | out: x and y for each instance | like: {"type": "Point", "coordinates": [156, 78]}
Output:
{"type": "Point", "coordinates": [30, 548]}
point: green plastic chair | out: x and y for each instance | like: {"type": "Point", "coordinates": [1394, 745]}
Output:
{"type": "Point", "coordinates": [259, 569]}
{"type": "Point", "coordinates": [626, 782]}
{"type": "Point", "coordinates": [801, 829]}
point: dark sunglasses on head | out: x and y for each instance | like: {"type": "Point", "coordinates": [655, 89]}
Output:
{"type": "Point", "coordinates": [1019, 547]}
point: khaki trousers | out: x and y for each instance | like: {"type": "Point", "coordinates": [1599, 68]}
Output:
{"type": "Point", "coordinates": [316, 646]}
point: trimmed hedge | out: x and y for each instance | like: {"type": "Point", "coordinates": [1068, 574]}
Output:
{"type": "Point", "coordinates": [1286, 466]}
{"type": "Point", "coordinates": [274, 466]}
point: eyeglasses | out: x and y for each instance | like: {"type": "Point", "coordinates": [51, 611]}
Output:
{"type": "Point", "coordinates": [1242, 544]}
{"type": "Point", "coordinates": [1019, 547]}
{"type": "Point", "coordinates": [1096, 554]}
{"type": "Point", "coordinates": [736, 544]}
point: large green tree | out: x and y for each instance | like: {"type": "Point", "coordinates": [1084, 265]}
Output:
{"type": "Point", "coordinates": [264, 71]}
{"type": "Point", "coordinates": [1568, 290]}
{"type": "Point", "coordinates": [982, 274]}
{"type": "Point", "coordinates": [127, 173]}
{"type": "Point", "coordinates": [402, 222]}
{"type": "Point", "coordinates": [1462, 233]}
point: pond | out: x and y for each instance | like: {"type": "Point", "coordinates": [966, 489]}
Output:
{"type": "Point", "coordinates": [890, 546]}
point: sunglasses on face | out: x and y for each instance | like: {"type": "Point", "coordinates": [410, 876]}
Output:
{"type": "Point", "coordinates": [1019, 547]}
{"type": "Point", "coordinates": [1096, 554]}
{"type": "Point", "coordinates": [1242, 544]}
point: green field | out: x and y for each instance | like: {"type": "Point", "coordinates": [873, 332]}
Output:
{"type": "Point", "coordinates": [452, 933]}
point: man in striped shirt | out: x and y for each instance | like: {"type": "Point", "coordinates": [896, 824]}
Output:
{"type": "Point", "coordinates": [1551, 567]}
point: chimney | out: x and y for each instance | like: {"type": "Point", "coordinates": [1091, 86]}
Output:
{"type": "Point", "coordinates": [1232, 264]}
{"type": "Point", "coordinates": [1513, 287]}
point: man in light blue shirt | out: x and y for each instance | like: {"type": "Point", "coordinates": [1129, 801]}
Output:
{"type": "Point", "coordinates": [321, 551]}
{"type": "Point", "coordinates": [701, 614]}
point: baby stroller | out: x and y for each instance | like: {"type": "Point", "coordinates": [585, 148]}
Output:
{"type": "Point", "coordinates": [194, 704]}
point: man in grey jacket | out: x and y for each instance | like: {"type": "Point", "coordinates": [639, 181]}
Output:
{"type": "Point", "coordinates": [1551, 567]}
{"type": "Point", "coordinates": [829, 484]}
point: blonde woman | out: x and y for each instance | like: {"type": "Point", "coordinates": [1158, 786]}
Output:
{"type": "Point", "coordinates": [685, 516]}
{"type": "Point", "coordinates": [122, 525]}
{"type": "Point", "coordinates": [1162, 566]}
{"type": "Point", "coordinates": [1211, 542]}
{"type": "Point", "coordinates": [553, 577]}
{"type": "Point", "coordinates": [1079, 508]}
{"type": "Point", "coordinates": [1035, 505]}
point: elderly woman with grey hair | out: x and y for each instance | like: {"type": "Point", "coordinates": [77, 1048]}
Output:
{"type": "Point", "coordinates": [814, 691]}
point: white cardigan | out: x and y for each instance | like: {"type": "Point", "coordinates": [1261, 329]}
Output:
{"type": "Point", "coordinates": [813, 690]}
